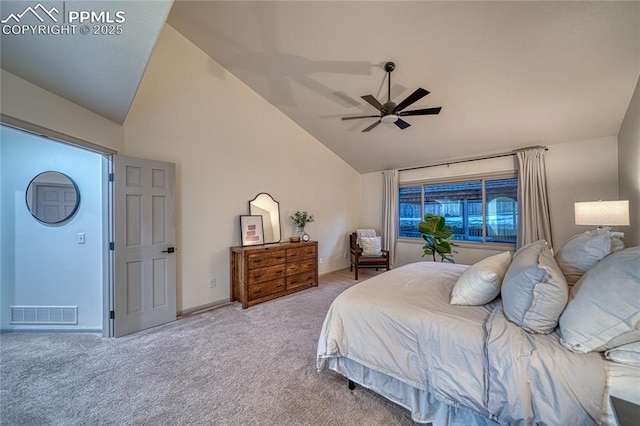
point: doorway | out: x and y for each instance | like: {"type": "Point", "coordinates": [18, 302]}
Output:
{"type": "Point", "coordinates": [50, 280]}
{"type": "Point", "coordinates": [60, 277]}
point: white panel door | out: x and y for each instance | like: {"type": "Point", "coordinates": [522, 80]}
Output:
{"type": "Point", "coordinates": [54, 202]}
{"type": "Point", "coordinates": [144, 233]}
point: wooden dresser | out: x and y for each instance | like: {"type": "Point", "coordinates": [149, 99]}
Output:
{"type": "Point", "coordinates": [261, 273]}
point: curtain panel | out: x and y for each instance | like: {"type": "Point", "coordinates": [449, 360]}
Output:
{"type": "Point", "coordinates": [390, 213]}
{"type": "Point", "coordinates": [533, 201]}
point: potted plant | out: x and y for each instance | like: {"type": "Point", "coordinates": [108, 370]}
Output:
{"type": "Point", "coordinates": [437, 236]}
{"type": "Point", "coordinates": [301, 219]}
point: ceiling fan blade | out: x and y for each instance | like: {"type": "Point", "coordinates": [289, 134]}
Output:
{"type": "Point", "coordinates": [373, 102]}
{"type": "Point", "coordinates": [414, 97]}
{"type": "Point", "coordinates": [402, 124]}
{"type": "Point", "coordinates": [360, 116]}
{"type": "Point", "coordinates": [372, 126]}
{"type": "Point", "coordinates": [426, 111]}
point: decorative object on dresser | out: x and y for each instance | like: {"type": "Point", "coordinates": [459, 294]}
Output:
{"type": "Point", "coordinates": [264, 205]}
{"type": "Point", "coordinates": [301, 219]}
{"type": "Point", "coordinates": [251, 231]}
{"type": "Point", "coordinates": [365, 251]}
{"type": "Point", "coordinates": [262, 273]}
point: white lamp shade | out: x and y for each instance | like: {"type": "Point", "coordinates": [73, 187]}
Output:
{"type": "Point", "coordinates": [602, 213]}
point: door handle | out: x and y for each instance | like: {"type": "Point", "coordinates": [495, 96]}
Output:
{"type": "Point", "coordinates": [169, 250]}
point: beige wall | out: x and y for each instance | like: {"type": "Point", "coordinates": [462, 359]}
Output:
{"type": "Point", "coordinates": [579, 171]}
{"type": "Point", "coordinates": [28, 102]}
{"type": "Point", "coordinates": [229, 144]}
{"type": "Point", "coordinates": [629, 167]}
{"type": "Point", "coordinates": [576, 171]}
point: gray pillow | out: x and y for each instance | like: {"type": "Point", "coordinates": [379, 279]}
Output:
{"type": "Point", "coordinates": [626, 354]}
{"type": "Point", "coordinates": [534, 291]}
{"type": "Point", "coordinates": [604, 311]}
{"type": "Point", "coordinates": [582, 251]}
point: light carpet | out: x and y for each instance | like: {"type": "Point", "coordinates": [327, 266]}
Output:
{"type": "Point", "coordinates": [227, 366]}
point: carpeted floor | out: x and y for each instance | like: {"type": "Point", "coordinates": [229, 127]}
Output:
{"type": "Point", "coordinates": [227, 366]}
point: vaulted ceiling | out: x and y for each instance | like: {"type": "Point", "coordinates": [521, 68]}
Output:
{"type": "Point", "coordinates": [506, 74]}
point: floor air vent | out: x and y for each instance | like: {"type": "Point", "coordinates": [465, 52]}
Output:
{"type": "Point", "coordinates": [44, 315]}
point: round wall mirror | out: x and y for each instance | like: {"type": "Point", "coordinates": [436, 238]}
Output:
{"type": "Point", "coordinates": [52, 197]}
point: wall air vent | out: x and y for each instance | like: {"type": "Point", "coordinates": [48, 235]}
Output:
{"type": "Point", "coordinates": [44, 315]}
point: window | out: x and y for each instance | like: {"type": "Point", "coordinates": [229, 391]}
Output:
{"type": "Point", "coordinates": [478, 210]}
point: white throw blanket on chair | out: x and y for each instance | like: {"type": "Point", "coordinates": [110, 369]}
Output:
{"type": "Point", "coordinates": [367, 233]}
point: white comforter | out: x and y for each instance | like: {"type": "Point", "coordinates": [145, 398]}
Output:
{"type": "Point", "coordinates": [401, 324]}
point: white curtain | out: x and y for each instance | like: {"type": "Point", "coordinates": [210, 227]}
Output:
{"type": "Point", "coordinates": [533, 202]}
{"type": "Point", "coordinates": [390, 213]}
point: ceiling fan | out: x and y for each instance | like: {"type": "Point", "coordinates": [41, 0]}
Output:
{"type": "Point", "coordinates": [389, 111]}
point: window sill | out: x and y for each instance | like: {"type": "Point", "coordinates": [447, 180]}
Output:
{"type": "Point", "coordinates": [466, 244]}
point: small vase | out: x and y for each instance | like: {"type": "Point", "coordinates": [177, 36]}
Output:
{"type": "Point", "coordinates": [300, 230]}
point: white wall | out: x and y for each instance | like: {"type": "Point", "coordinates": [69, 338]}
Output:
{"type": "Point", "coordinates": [629, 167]}
{"type": "Point", "coordinates": [44, 265]}
{"type": "Point", "coordinates": [229, 144]}
{"type": "Point", "coordinates": [28, 102]}
{"type": "Point", "coordinates": [576, 171]}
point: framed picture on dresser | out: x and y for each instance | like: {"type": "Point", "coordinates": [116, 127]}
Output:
{"type": "Point", "coordinates": [251, 230]}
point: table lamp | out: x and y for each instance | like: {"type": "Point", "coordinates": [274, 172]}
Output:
{"type": "Point", "coordinates": [602, 213]}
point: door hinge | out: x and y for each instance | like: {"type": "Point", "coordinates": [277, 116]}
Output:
{"type": "Point", "coordinates": [112, 246]}
{"type": "Point", "coordinates": [112, 315]}
{"type": "Point", "coordinates": [110, 177]}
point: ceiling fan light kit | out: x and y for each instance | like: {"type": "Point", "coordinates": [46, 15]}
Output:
{"type": "Point", "coordinates": [390, 112]}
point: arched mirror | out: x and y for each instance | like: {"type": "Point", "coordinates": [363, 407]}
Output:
{"type": "Point", "coordinates": [264, 205]}
{"type": "Point", "coordinates": [52, 197]}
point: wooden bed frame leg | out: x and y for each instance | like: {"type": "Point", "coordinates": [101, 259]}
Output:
{"type": "Point", "coordinates": [352, 385]}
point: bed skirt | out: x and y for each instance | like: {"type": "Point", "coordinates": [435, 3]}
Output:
{"type": "Point", "coordinates": [424, 407]}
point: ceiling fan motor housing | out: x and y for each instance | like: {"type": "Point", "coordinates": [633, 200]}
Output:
{"type": "Point", "coordinates": [389, 107]}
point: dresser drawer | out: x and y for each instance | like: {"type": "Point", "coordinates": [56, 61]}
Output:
{"type": "Point", "coordinates": [304, 252]}
{"type": "Point", "coordinates": [267, 258]}
{"type": "Point", "coordinates": [264, 274]}
{"type": "Point", "coordinates": [301, 266]}
{"type": "Point", "coordinates": [266, 288]}
{"type": "Point", "coordinates": [301, 280]}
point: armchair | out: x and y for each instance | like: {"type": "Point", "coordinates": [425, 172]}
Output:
{"type": "Point", "coordinates": [358, 260]}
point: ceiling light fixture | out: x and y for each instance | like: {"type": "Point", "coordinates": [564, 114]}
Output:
{"type": "Point", "coordinates": [390, 112]}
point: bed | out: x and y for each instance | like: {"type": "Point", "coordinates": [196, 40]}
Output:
{"type": "Point", "coordinates": [398, 335]}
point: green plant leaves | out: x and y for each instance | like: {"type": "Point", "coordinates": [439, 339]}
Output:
{"type": "Point", "coordinates": [437, 236]}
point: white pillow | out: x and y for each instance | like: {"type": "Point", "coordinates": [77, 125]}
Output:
{"type": "Point", "coordinates": [626, 354]}
{"type": "Point", "coordinates": [582, 251]}
{"type": "Point", "coordinates": [480, 283]}
{"type": "Point", "coordinates": [371, 246]}
{"type": "Point", "coordinates": [534, 290]}
{"type": "Point", "coordinates": [604, 311]}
